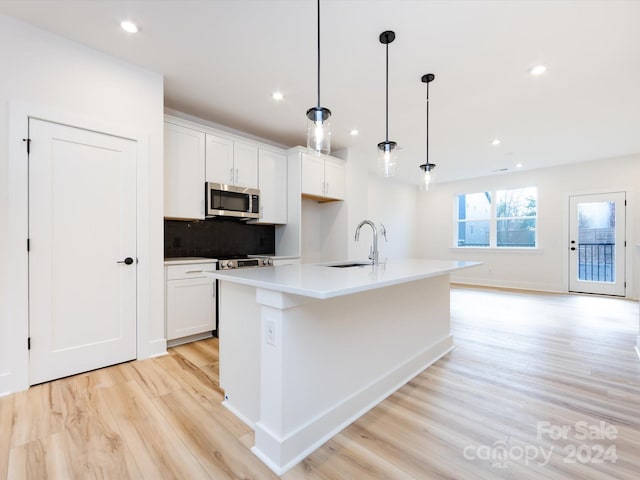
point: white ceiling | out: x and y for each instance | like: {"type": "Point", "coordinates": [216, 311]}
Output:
{"type": "Point", "coordinates": [222, 59]}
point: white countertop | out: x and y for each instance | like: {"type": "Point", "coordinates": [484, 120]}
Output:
{"type": "Point", "coordinates": [317, 281]}
{"type": "Point", "coordinates": [188, 260]}
{"type": "Point", "coordinates": [276, 257]}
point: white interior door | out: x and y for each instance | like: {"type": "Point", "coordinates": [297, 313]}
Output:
{"type": "Point", "coordinates": [82, 227]}
{"type": "Point", "coordinates": [597, 243]}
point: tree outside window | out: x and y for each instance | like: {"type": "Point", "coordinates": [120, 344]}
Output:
{"type": "Point", "coordinates": [508, 222]}
{"type": "Point", "coordinates": [516, 217]}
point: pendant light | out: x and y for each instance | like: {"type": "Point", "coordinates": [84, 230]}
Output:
{"type": "Point", "coordinates": [427, 167]}
{"type": "Point", "coordinates": [318, 131]}
{"type": "Point", "coordinates": [387, 155]}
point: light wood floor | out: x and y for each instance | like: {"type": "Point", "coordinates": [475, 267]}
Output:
{"type": "Point", "coordinates": [521, 359]}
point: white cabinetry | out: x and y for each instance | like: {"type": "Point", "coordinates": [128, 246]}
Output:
{"type": "Point", "coordinates": [272, 182]}
{"type": "Point", "coordinates": [195, 154]}
{"type": "Point", "coordinates": [219, 165]}
{"type": "Point", "coordinates": [190, 302]}
{"type": "Point", "coordinates": [323, 177]}
{"type": "Point", "coordinates": [184, 169]}
{"type": "Point", "coordinates": [312, 175]}
{"type": "Point", "coordinates": [245, 163]}
{"type": "Point", "coordinates": [231, 162]}
{"type": "Point", "coordinates": [334, 178]}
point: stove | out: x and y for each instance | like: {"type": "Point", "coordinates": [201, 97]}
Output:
{"type": "Point", "coordinates": [231, 263]}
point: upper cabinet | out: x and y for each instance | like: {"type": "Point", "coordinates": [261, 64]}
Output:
{"type": "Point", "coordinates": [195, 154]}
{"type": "Point", "coordinates": [184, 170]}
{"type": "Point", "coordinates": [219, 165]}
{"type": "Point", "coordinates": [231, 162]}
{"type": "Point", "coordinates": [323, 177]}
{"type": "Point", "coordinates": [272, 182]}
{"type": "Point", "coordinates": [245, 163]}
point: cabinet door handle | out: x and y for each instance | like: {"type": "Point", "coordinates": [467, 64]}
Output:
{"type": "Point", "coordinates": [231, 175]}
{"type": "Point", "coordinates": [237, 175]}
{"type": "Point", "coordinates": [327, 192]}
{"type": "Point", "coordinates": [193, 271]}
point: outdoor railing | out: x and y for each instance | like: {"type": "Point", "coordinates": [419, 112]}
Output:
{"type": "Point", "coordinates": [596, 262]}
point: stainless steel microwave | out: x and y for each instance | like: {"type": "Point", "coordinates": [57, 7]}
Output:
{"type": "Point", "coordinates": [230, 201]}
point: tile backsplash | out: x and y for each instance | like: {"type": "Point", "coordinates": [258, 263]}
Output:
{"type": "Point", "coordinates": [217, 237]}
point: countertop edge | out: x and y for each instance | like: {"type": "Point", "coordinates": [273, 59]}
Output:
{"type": "Point", "coordinates": [326, 294]}
{"type": "Point", "coordinates": [189, 261]}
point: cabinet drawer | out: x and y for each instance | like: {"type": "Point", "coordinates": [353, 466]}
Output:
{"type": "Point", "coordinates": [192, 270]}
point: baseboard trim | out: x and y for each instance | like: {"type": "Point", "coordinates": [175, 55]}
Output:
{"type": "Point", "coordinates": [534, 287]}
{"type": "Point", "coordinates": [300, 443]}
{"type": "Point", "coordinates": [6, 384]}
{"type": "Point", "coordinates": [237, 413]}
{"type": "Point", "coordinates": [188, 339]}
{"type": "Point", "coordinates": [155, 348]}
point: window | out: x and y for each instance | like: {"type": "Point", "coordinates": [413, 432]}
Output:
{"type": "Point", "coordinates": [509, 221]}
{"type": "Point", "coordinates": [474, 215]}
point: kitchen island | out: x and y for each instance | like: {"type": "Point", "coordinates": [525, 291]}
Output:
{"type": "Point", "coordinates": [307, 349]}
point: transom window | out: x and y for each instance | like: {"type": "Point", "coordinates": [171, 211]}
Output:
{"type": "Point", "coordinates": [502, 218]}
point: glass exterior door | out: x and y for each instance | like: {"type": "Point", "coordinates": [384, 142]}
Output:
{"type": "Point", "coordinates": [597, 243]}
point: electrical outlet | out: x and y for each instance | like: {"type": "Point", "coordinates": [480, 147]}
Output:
{"type": "Point", "coordinates": [271, 333]}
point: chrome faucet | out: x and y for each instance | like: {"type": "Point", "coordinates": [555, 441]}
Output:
{"type": "Point", "coordinates": [373, 251]}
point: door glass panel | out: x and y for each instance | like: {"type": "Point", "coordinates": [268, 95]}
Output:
{"type": "Point", "coordinates": [596, 242]}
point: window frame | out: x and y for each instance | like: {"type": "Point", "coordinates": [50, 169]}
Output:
{"type": "Point", "coordinates": [493, 222]}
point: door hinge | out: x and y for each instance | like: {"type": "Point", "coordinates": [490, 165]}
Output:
{"type": "Point", "coordinates": [28, 244]}
{"type": "Point", "coordinates": [28, 140]}
{"type": "Point", "coordinates": [29, 343]}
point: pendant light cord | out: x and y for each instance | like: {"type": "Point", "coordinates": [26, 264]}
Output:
{"type": "Point", "coordinates": [427, 125]}
{"type": "Point", "coordinates": [318, 53]}
{"type": "Point", "coordinates": [387, 97]}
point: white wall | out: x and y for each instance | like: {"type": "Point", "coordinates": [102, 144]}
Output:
{"type": "Point", "coordinates": [546, 267]}
{"type": "Point", "coordinates": [328, 229]}
{"type": "Point", "coordinates": [47, 71]}
{"type": "Point", "coordinates": [393, 204]}
{"type": "Point", "coordinates": [323, 231]}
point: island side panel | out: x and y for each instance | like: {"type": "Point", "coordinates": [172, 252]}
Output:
{"type": "Point", "coordinates": [239, 330]}
{"type": "Point", "coordinates": [333, 360]}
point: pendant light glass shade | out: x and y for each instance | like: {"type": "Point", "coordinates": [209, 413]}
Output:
{"type": "Point", "coordinates": [427, 179]}
{"type": "Point", "coordinates": [387, 150]}
{"type": "Point", "coordinates": [318, 126]}
{"type": "Point", "coordinates": [387, 159]}
{"type": "Point", "coordinates": [427, 168]}
{"type": "Point", "coordinates": [318, 130]}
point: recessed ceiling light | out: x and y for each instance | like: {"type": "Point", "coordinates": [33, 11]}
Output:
{"type": "Point", "coordinates": [354, 132]}
{"type": "Point", "coordinates": [129, 27]}
{"type": "Point", "coordinates": [495, 141]}
{"type": "Point", "coordinates": [538, 70]}
{"type": "Point", "coordinates": [518, 165]}
{"type": "Point", "coordinates": [277, 96]}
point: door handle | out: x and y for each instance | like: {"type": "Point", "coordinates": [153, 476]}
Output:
{"type": "Point", "coordinates": [126, 261]}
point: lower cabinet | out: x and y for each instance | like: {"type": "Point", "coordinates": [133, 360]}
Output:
{"type": "Point", "coordinates": [190, 302]}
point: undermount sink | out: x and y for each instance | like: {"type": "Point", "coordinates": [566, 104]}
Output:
{"type": "Point", "coordinates": [347, 264]}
